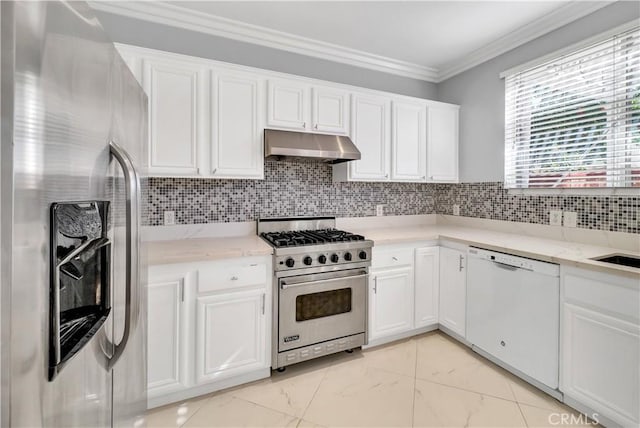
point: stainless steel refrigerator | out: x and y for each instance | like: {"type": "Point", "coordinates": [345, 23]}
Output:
{"type": "Point", "coordinates": [72, 265]}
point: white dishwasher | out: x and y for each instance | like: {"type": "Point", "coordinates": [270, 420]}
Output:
{"type": "Point", "coordinates": [513, 311]}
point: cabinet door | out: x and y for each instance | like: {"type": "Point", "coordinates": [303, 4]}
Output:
{"type": "Point", "coordinates": [230, 335]}
{"type": "Point", "coordinates": [453, 290]}
{"type": "Point", "coordinates": [370, 120]}
{"type": "Point", "coordinates": [390, 302]}
{"type": "Point", "coordinates": [409, 142]}
{"type": "Point", "coordinates": [236, 144]}
{"type": "Point", "coordinates": [133, 61]}
{"type": "Point", "coordinates": [288, 105]}
{"type": "Point", "coordinates": [330, 110]}
{"type": "Point", "coordinates": [177, 116]}
{"type": "Point", "coordinates": [426, 285]}
{"type": "Point", "coordinates": [442, 143]}
{"type": "Point", "coordinates": [165, 338]}
{"type": "Point", "coordinates": [600, 366]}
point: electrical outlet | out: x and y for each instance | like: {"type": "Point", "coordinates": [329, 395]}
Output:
{"type": "Point", "coordinates": [169, 218]}
{"type": "Point", "coordinates": [555, 218]}
{"type": "Point", "coordinates": [379, 210]}
{"type": "Point", "coordinates": [456, 209]}
{"type": "Point", "coordinates": [569, 219]}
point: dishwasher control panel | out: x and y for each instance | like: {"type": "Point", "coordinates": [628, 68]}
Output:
{"type": "Point", "coordinates": [515, 261]}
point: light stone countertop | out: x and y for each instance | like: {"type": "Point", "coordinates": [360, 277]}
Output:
{"type": "Point", "coordinates": [545, 249]}
{"type": "Point", "coordinates": [204, 249]}
{"type": "Point", "coordinates": [556, 251]}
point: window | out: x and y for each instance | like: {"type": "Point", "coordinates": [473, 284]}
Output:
{"type": "Point", "coordinates": [574, 121]}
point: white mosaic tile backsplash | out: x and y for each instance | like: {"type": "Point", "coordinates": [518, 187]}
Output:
{"type": "Point", "coordinates": [298, 188]}
{"type": "Point", "coordinates": [305, 188]}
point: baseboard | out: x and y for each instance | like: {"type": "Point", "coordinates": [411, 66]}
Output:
{"type": "Point", "coordinates": [153, 402]}
{"type": "Point", "coordinates": [400, 336]}
{"type": "Point", "coordinates": [591, 414]}
{"type": "Point", "coordinates": [454, 335]}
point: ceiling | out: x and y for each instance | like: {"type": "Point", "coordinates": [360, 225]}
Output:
{"type": "Point", "coordinates": [429, 40]}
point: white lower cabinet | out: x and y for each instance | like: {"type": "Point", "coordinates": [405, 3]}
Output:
{"type": "Point", "coordinates": [230, 334]}
{"type": "Point", "coordinates": [166, 370]}
{"type": "Point", "coordinates": [427, 285]}
{"type": "Point", "coordinates": [453, 290]}
{"type": "Point", "coordinates": [403, 291]}
{"type": "Point", "coordinates": [600, 344]}
{"type": "Point", "coordinates": [208, 327]}
{"type": "Point", "coordinates": [391, 302]}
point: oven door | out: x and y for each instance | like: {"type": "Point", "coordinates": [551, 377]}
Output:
{"type": "Point", "coordinates": [318, 307]}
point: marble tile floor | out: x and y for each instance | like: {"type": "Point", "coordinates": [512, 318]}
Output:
{"type": "Point", "coordinates": [426, 381]}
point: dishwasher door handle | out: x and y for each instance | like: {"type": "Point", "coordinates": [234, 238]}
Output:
{"type": "Point", "coordinates": [506, 266]}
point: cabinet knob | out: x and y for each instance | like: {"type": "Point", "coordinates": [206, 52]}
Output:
{"type": "Point", "coordinates": [214, 170]}
{"type": "Point", "coordinates": [386, 176]}
{"type": "Point", "coordinates": [315, 126]}
{"type": "Point", "coordinates": [304, 125]}
{"type": "Point", "coordinates": [234, 278]}
{"type": "Point", "coordinates": [395, 259]}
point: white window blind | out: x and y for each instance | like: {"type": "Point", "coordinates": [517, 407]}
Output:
{"type": "Point", "coordinates": [574, 121]}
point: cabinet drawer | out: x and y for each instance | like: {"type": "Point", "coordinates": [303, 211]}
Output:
{"type": "Point", "coordinates": [617, 296]}
{"type": "Point", "coordinates": [220, 277]}
{"type": "Point", "coordinates": [391, 258]}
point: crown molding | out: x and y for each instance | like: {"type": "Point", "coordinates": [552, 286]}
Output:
{"type": "Point", "coordinates": [176, 16]}
{"type": "Point", "coordinates": [565, 14]}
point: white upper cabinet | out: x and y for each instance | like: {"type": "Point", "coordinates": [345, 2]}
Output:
{"type": "Point", "coordinates": [288, 105]}
{"type": "Point", "coordinates": [370, 131]}
{"type": "Point", "coordinates": [177, 115]}
{"type": "Point", "coordinates": [330, 110]}
{"type": "Point", "coordinates": [207, 119]}
{"type": "Point", "coordinates": [442, 142]}
{"type": "Point", "coordinates": [236, 128]}
{"type": "Point", "coordinates": [302, 107]}
{"type": "Point", "coordinates": [408, 142]}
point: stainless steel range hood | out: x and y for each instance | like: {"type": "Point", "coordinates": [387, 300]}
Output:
{"type": "Point", "coordinates": [327, 148]}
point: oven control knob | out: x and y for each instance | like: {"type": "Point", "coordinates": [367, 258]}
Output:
{"type": "Point", "coordinates": [362, 255]}
{"type": "Point", "coordinates": [335, 258]}
{"type": "Point", "coordinates": [322, 259]}
{"type": "Point", "coordinates": [307, 260]}
{"type": "Point", "coordinates": [289, 262]}
{"type": "Point", "coordinates": [347, 256]}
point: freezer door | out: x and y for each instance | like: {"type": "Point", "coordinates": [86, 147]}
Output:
{"type": "Point", "coordinates": [65, 95]}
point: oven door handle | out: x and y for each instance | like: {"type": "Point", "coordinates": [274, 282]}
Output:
{"type": "Point", "coordinates": [284, 285]}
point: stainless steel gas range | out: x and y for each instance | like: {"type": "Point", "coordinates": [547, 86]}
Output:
{"type": "Point", "coordinates": [320, 288]}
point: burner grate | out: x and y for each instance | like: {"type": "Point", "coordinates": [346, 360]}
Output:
{"type": "Point", "coordinates": [309, 237]}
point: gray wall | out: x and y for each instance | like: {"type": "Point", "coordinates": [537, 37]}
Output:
{"type": "Point", "coordinates": [480, 91]}
{"type": "Point", "coordinates": [157, 36]}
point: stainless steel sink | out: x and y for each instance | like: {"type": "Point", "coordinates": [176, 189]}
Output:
{"type": "Point", "coordinates": [620, 259]}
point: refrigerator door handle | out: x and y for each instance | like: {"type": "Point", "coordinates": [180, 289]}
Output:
{"type": "Point", "coordinates": [132, 203]}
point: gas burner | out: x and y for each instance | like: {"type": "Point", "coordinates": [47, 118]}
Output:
{"type": "Point", "coordinates": [309, 237]}
{"type": "Point", "coordinates": [313, 243]}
